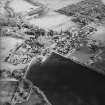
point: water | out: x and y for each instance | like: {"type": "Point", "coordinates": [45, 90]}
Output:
{"type": "Point", "coordinates": [67, 83]}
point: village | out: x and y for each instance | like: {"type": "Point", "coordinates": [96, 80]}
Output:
{"type": "Point", "coordinates": [26, 42]}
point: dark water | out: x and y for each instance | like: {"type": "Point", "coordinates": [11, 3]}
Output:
{"type": "Point", "coordinates": [67, 83]}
